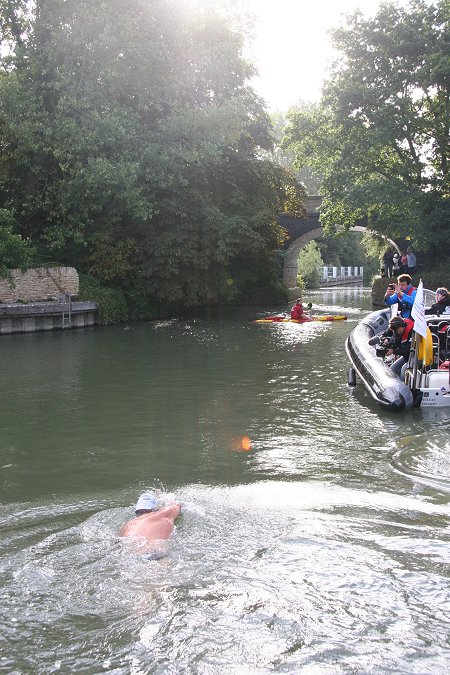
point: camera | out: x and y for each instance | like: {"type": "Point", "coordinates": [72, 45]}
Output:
{"type": "Point", "coordinates": [385, 342]}
{"type": "Point", "coordinates": [391, 286]}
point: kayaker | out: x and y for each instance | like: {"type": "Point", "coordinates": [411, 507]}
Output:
{"type": "Point", "coordinates": [152, 524]}
{"type": "Point", "coordinates": [402, 293]}
{"type": "Point", "coordinates": [298, 312]}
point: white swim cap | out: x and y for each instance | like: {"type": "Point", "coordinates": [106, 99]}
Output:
{"type": "Point", "coordinates": [146, 501]}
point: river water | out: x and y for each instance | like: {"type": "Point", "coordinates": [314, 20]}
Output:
{"type": "Point", "coordinates": [315, 530]}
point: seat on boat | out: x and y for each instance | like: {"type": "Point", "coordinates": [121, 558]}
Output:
{"type": "Point", "coordinates": [444, 340]}
{"type": "Point", "coordinates": [440, 333]}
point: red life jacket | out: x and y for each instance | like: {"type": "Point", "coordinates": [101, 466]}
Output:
{"type": "Point", "coordinates": [407, 332]}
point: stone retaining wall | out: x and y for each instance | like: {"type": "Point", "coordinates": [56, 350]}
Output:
{"type": "Point", "coordinates": [41, 283]}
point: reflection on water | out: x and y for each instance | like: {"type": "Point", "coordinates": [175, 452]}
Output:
{"type": "Point", "coordinates": [314, 535]}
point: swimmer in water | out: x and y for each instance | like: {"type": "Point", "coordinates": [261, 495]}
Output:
{"type": "Point", "coordinates": [152, 524]}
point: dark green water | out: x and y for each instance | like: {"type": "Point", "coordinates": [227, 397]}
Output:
{"type": "Point", "coordinates": [323, 549]}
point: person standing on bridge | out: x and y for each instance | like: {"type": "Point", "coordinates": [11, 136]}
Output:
{"type": "Point", "coordinates": [387, 262]}
{"type": "Point", "coordinates": [395, 264]}
{"type": "Point", "coordinates": [412, 261]}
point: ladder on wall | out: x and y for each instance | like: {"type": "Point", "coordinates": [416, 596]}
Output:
{"type": "Point", "coordinates": [66, 301]}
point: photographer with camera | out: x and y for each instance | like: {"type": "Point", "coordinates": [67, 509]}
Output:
{"type": "Point", "coordinates": [402, 293]}
{"type": "Point", "coordinates": [396, 340]}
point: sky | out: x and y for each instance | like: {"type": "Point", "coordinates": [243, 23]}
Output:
{"type": "Point", "coordinates": [292, 49]}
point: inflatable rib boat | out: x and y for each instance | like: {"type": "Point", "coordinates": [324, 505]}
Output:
{"type": "Point", "coordinates": [426, 382]}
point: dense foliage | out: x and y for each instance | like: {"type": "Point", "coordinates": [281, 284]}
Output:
{"type": "Point", "coordinates": [112, 305]}
{"type": "Point", "coordinates": [131, 147]}
{"type": "Point", "coordinates": [286, 156]}
{"type": "Point", "coordinates": [380, 137]}
{"type": "Point", "coordinates": [310, 265]}
{"type": "Point", "coordinates": [14, 251]}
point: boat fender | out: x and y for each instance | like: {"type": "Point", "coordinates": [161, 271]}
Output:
{"type": "Point", "coordinates": [351, 381]}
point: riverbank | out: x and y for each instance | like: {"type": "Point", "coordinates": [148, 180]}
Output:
{"type": "Point", "coordinates": [42, 316]}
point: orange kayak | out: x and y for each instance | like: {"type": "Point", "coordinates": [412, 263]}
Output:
{"type": "Point", "coordinates": [280, 319]}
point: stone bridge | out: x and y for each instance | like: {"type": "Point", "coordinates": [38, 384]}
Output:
{"type": "Point", "coordinates": [301, 232]}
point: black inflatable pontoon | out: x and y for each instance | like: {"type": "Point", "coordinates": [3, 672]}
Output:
{"type": "Point", "coordinates": [385, 387]}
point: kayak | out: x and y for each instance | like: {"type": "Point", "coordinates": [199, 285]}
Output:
{"type": "Point", "coordinates": [281, 319]}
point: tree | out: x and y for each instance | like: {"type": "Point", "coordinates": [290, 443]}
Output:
{"type": "Point", "coordinates": [309, 264]}
{"type": "Point", "coordinates": [14, 251]}
{"type": "Point", "coordinates": [132, 146]}
{"type": "Point", "coordinates": [286, 156]}
{"type": "Point", "coordinates": [380, 137]}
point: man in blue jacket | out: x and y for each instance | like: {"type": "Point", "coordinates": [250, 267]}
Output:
{"type": "Point", "coordinates": [402, 293]}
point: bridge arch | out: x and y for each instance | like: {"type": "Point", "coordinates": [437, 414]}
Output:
{"type": "Point", "coordinates": [290, 268]}
{"type": "Point", "coordinates": [305, 230]}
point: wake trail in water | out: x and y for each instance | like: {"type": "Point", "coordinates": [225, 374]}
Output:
{"type": "Point", "coordinates": [264, 570]}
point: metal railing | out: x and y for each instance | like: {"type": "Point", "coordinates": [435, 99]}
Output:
{"type": "Point", "coordinates": [332, 276]}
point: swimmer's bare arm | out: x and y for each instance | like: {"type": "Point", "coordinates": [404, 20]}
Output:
{"type": "Point", "coordinates": [172, 511]}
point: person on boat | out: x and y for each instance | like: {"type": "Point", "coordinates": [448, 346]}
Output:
{"type": "Point", "coordinates": [402, 293]}
{"type": "Point", "coordinates": [152, 524]}
{"type": "Point", "coordinates": [298, 312]}
{"type": "Point", "coordinates": [401, 329]}
{"type": "Point", "coordinates": [442, 296]}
